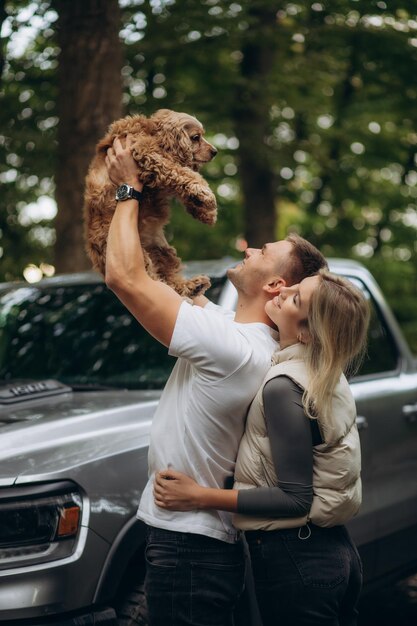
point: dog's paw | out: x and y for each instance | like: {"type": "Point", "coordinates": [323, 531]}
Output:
{"type": "Point", "coordinates": [202, 214]}
{"type": "Point", "coordinates": [196, 286]}
{"type": "Point", "coordinates": [201, 204]}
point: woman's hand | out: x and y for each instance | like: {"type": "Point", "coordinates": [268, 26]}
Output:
{"type": "Point", "coordinates": [121, 166]}
{"type": "Point", "coordinates": [176, 491]}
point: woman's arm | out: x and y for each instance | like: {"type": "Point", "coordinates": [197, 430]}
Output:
{"type": "Point", "coordinates": [291, 440]}
{"type": "Point", "coordinates": [292, 436]}
{"type": "Point", "coordinates": [178, 492]}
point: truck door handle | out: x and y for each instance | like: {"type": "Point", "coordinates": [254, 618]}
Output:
{"type": "Point", "coordinates": [410, 413]}
{"type": "Point", "coordinates": [361, 422]}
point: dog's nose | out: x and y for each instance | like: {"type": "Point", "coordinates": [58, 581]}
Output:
{"type": "Point", "coordinates": [213, 152]}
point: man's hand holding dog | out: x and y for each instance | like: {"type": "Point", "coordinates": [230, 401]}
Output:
{"type": "Point", "coordinates": [121, 165]}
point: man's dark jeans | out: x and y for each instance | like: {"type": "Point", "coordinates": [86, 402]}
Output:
{"type": "Point", "coordinates": [192, 580]}
{"type": "Point", "coordinates": [315, 581]}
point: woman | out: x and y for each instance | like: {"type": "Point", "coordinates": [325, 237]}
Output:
{"type": "Point", "coordinates": [301, 450]}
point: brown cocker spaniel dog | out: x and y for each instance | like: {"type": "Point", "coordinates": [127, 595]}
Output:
{"type": "Point", "coordinates": [169, 149]}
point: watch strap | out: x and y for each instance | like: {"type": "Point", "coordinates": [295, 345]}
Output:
{"type": "Point", "coordinates": [135, 194]}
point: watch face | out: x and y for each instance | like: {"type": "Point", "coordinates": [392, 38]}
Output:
{"type": "Point", "coordinates": [122, 192]}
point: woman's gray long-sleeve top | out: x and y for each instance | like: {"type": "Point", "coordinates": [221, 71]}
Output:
{"type": "Point", "coordinates": [292, 436]}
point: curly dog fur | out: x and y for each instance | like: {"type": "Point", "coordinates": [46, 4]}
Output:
{"type": "Point", "coordinates": [169, 148]}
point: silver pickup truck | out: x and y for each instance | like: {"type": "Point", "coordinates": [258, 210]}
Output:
{"type": "Point", "coordinates": [79, 383]}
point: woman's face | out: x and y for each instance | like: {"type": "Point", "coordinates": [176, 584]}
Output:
{"type": "Point", "coordinates": [290, 308]}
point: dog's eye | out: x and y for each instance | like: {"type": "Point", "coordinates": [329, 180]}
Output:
{"type": "Point", "coordinates": [195, 137]}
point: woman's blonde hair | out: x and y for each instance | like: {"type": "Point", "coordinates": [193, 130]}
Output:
{"type": "Point", "coordinates": [337, 325]}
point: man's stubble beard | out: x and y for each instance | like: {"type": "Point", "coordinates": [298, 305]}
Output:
{"type": "Point", "coordinates": [235, 278]}
{"type": "Point", "coordinates": [247, 283]}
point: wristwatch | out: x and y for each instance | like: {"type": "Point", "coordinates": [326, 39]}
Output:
{"type": "Point", "coordinates": [126, 192]}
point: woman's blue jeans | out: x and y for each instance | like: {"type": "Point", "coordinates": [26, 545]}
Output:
{"type": "Point", "coordinates": [304, 579]}
{"type": "Point", "coordinates": [192, 580]}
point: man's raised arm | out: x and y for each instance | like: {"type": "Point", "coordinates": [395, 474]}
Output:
{"type": "Point", "coordinates": [154, 304]}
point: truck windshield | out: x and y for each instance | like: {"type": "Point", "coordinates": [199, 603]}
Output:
{"type": "Point", "coordinates": [81, 335]}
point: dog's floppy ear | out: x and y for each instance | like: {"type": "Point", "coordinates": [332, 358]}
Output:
{"type": "Point", "coordinates": [172, 137]}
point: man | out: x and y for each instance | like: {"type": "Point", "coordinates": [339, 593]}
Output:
{"type": "Point", "coordinates": [195, 560]}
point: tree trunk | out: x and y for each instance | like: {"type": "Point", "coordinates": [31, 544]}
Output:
{"type": "Point", "coordinates": [252, 125]}
{"type": "Point", "coordinates": [90, 98]}
{"type": "Point", "coordinates": [3, 16]}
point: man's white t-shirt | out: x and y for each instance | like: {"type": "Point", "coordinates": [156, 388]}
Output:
{"type": "Point", "coordinates": [201, 416]}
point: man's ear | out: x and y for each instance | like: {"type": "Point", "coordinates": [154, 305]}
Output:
{"type": "Point", "coordinates": [273, 287]}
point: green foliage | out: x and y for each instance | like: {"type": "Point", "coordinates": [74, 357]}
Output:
{"type": "Point", "coordinates": [27, 141]}
{"type": "Point", "coordinates": [341, 138]}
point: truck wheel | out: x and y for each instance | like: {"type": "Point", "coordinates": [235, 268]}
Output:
{"type": "Point", "coordinates": [133, 610]}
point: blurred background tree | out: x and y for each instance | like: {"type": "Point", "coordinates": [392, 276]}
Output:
{"type": "Point", "coordinates": [89, 99]}
{"type": "Point", "coordinates": [312, 106]}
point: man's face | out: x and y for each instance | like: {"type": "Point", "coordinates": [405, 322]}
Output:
{"type": "Point", "coordinates": [260, 266]}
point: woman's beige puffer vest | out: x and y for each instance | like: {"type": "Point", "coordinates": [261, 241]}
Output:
{"type": "Point", "coordinates": [336, 462]}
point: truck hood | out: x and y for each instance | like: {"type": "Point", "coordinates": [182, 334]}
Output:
{"type": "Point", "coordinates": [42, 438]}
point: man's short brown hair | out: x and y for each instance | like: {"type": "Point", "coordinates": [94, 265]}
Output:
{"type": "Point", "coordinates": [305, 260]}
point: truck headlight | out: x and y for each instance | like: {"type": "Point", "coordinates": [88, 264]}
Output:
{"type": "Point", "coordinates": [37, 524]}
